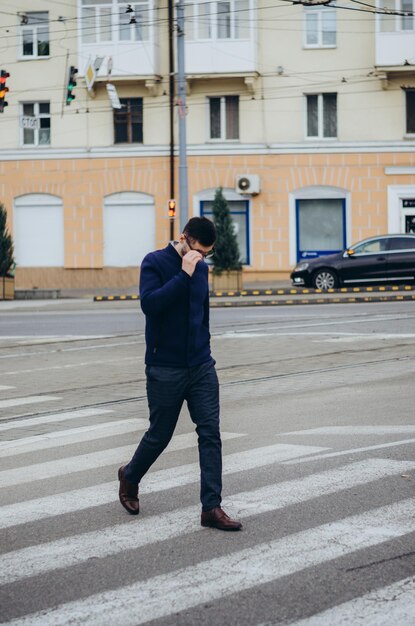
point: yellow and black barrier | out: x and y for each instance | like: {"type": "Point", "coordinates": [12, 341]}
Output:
{"type": "Point", "coordinates": [309, 290]}
{"type": "Point", "coordinates": [295, 301]}
{"type": "Point", "coordinates": [287, 291]}
{"type": "Point", "coordinates": [115, 298]}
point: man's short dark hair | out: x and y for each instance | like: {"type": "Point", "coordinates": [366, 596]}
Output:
{"type": "Point", "coordinates": [201, 229]}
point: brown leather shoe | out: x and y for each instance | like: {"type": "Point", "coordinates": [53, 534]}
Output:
{"type": "Point", "coordinates": [217, 518]}
{"type": "Point", "coordinates": [128, 493]}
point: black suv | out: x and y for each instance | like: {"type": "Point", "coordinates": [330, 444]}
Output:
{"type": "Point", "coordinates": [388, 258]}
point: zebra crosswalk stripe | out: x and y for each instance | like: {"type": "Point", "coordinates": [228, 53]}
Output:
{"type": "Point", "coordinates": [7, 404]}
{"type": "Point", "coordinates": [98, 544]}
{"type": "Point", "coordinates": [81, 499]}
{"type": "Point", "coordinates": [54, 417]}
{"type": "Point", "coordinates": [380, 430]}
{"type": "Point", "coordinates": [70, 436]}
{"type": "Point", "coordinates": [210, 580]}
{"type": "Point", "coordinates": [84, 462]}
{"type": "Point", "coordinates": [369, 610]}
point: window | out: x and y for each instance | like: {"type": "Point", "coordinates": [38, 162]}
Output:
{"type": "Point", "coordinates": [35, 35]}
{"type": "Point", "coordinates": [402, 243]}
{"type": "Point", "coordinates": [128, 121]}
{"type": "Point", "coordinates": [35, 123]}
{"type": "Point", "coordinates": [371, 247]}
{"type": "Point", "coordinates": [410, 111]}
{"type": "Point", "coordinates": [96, 21]}
{"type": "Point", "coordinates": [133, 32]}
{"type": "Point", "coordinates": [320, 27]}
{"type": "Point", "coordinates": [239, 210]}
{"type": "Point", "coordinates": [320, 226]}
{"type": "Point", "coordinates": [224, 118]}
{"type": "Point", "coordinates": [392, 23]}
{"type": "Point", "coordinates": [322, 115]}
{"type": "Point", "coordinates": [223, 19]}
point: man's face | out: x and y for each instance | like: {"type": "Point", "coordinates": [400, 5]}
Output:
{"type": "Point", "coordinates": [193, 244]}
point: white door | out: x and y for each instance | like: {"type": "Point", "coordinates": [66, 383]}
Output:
{"type": "Point", "coordinates": [38, 231]}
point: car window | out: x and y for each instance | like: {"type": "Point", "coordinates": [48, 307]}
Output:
{"type": "Point", "coordinates": [402, 243]}
{"type": "Point", "coordinates": [371, 247]}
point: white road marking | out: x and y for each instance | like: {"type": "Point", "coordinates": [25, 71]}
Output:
{"type": "Point", "coordinates": [71, 366]}
{"type": "Point", "coordinates": [5, 387]}
{"type": "Point", "coordinates": [348, 338]}
{"type": "Point", "coordinates": [55, 417]}
{"type": "Point", "coordinates": [7, 404]}
{"type": "Point", "coordinates": [329, 455]}
{"type": "Point", "coordinates": [81, 499]}
{"type": "Point", "coordinates": [71, 436]}
{"type": "Point", "coordinates": [327, 322]}
{"type": "Point", "coordinates": [355, 430]}
{"type": "Point", "coordinates": [84, 462]}
{"type": "Point", "coordinates": [233, 573]}
{"type": "Point", "coordinates": [389, 605]}
{"type": "Point", "coordinates": [98, 544]}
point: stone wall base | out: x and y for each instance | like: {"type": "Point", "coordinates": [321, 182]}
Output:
{"type": "Point", "coordinates": [61, 278]}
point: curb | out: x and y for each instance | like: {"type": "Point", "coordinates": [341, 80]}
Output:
{"type": "Point", "coordinates": [305, 290]}
{"type": "Point", "coordinates": [278, 292]}
{"type": "Point", "coordinates": [364, 299]}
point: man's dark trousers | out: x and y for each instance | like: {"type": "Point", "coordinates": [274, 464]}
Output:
{"type": "Point", "coordinates": [167, 389]}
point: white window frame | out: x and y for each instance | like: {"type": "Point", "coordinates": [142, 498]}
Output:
{"type": "Point", "coordinates": [320, 118]}
{"type": "Point", "coordinates": [33, 28]}
{"type": "Point", "coordinates": [114, 22]}
{"type": "Point", "coordinates": [213, 20]}
{"type": "Point", "coordinates": [319, 12]}
{"type": "Point", "coordinates": [138, 4]}
{"type": "Point", "coordinates": [396, 20]}
{"type": "Point", "coordinates": [222, 119]}
{"type": "Point", "coordinates": [36, 130]}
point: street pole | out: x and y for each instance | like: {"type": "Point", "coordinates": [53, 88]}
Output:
{"type": "Point", "coordinates": [171, 106]}
{"type": "Point", "coordinates": [181, 92]}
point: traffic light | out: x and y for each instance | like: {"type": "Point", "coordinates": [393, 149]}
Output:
{"type": "Point", "coordinates": [3, 89]}
{"type": "Point", "coordinates": [172, 208]}
{"type": "Point", "coordinates": [71, 84]}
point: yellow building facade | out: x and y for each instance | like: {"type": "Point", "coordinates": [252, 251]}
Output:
{"type": "Point", "coordinates": [321, 123]}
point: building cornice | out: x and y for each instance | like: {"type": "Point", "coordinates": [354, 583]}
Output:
{"type": "Point", "coordinates": [217, 149]}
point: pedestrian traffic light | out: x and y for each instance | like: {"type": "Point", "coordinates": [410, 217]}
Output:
{"type": "Point", "coordinates": [3, 89]}
{"type": "Point", "coordinates": [172, 208]}
{"type": "Point", "coordinates": [71, 84]}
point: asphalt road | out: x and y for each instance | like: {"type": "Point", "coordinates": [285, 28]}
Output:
{"type": "Point", "coordinates": [319, 439]}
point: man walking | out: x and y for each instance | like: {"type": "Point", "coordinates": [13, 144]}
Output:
{"type": "Point", "coordinates": [174, 297]}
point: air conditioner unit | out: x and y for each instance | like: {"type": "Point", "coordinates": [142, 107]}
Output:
{"type": "Point", "coordinates": [248, 184]}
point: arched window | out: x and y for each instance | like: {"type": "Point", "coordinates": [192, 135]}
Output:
{"type": "Point", "coordinates": [129, 228]}
{"type": "Point", "coordinates": [38, 230]}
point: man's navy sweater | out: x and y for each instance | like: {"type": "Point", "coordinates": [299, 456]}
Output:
{"type": "Point", "coordinates": [176, 307]}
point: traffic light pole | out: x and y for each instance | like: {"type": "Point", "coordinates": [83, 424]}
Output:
{"type": "Point", "coordinates": [181, 89]}
{"type": "Point", "coordinates": [171, 106]}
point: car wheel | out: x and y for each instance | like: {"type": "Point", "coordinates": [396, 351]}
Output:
{"type": "Point", "coordinates": [325, 279]}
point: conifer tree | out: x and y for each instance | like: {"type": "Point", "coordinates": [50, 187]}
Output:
{"type": "Point", "coordinates": [6, 245]}
{"type": "Point", "coordinates": [227, 255]}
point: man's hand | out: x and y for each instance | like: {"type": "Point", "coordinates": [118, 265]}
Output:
{"type": "Point", "coordinates": [190, 260]}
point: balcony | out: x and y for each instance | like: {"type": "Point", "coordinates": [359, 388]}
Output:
{"type": "Point", "coordinates": [395, 37]}
{"type": "Point", "coordinates": [220, 38]}
{"type": "Point", "coordinates": [124, 42]}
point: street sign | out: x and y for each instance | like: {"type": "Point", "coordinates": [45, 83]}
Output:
{"type": "Point", "coordinates": [33, 123]}
{"type": "Point", "coordinates": [90, 75]}
{"type": "Point", "coordinates": [113, 96]}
